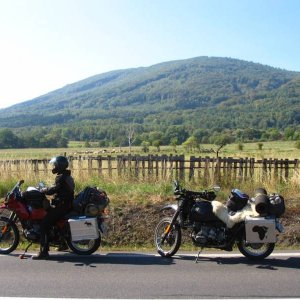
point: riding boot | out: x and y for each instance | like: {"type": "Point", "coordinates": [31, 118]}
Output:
{"type": "Point", "coordinates": [43, 254]}
{"type": "Point", "coordinates": [44, 249]}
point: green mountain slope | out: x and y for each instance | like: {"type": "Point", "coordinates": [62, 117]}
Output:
{"type": "Point", "coordinates": [205, 93]}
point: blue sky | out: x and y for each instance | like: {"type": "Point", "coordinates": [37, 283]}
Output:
{"type": "Point", "coordinates": [47, 44]}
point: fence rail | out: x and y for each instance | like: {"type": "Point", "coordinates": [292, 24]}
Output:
{"type": "Point", "coordinates": [205, 169]}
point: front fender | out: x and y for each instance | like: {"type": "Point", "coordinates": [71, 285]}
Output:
{"type": "Point", "coordinates": [173, 207]}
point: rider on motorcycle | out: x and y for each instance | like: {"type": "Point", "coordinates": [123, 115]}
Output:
{"type": "Point", "coordinates": [63, 192]}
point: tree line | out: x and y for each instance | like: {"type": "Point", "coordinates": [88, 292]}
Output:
{"type": "Point", "coordinates": [137, 135]}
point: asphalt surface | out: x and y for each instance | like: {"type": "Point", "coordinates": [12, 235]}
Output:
{"type": "Point", "coordinates": [147, 275]}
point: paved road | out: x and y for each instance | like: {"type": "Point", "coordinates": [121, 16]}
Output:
{"type": "Point", "coordinates": [134, 275]}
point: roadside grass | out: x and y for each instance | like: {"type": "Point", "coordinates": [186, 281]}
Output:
{"type": "Point", "coordinates": [126, 190]}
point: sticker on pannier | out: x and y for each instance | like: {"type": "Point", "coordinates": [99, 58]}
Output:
{"type": "Point", "coordinates": [260, 230]}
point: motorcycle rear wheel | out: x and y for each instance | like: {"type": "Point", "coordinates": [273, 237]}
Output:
{"type": "Point", "coordinates": [255, 251]}
{"type": "Point", "coordinates": [173, 240]}
{"type": "Point", "coordinates": [9, 236]}
{"type": "Point", "coordinates": [84, 247]}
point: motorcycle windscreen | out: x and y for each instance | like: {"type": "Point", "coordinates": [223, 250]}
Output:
{"type": "Point", "coordinates": [260, 230]}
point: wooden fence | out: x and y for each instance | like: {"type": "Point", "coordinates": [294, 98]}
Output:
{"type": "Point", "coordinates": [203, 169]}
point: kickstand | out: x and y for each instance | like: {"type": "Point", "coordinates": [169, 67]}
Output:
{"type": "Point", "coordinates": [197, 258]}
{"type": "Point", "coordinates": [23, 255]}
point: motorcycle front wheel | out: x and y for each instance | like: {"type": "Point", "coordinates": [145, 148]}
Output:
{"type": "Point", "coordinates": [9, 236]}
{"type": "Point", "coordinates": [84, 247]}
{"type": "Point", "coordinates": [172, 242]}
{"type": "Point", "coordinates": [255, 251]}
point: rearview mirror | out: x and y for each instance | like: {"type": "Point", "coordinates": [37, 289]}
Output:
{"type": "Point", "coordinates": [217, 188]}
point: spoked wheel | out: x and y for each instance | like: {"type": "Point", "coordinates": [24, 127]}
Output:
{"type": "Point", "coordinates": [84, 247]}
{"type": "Point", "coordinates": [9, 236]}
{"type": "Point", "coordinates": [255, 251]}
{"type": "Point", "coordinates": [172, 242]}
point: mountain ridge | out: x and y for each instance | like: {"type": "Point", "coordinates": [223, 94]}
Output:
{"type": "Point", "coordinates": [185, 93]}
{"type": "Point", "coordinates": [104, 80]}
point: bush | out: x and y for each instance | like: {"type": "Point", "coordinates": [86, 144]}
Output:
{"type": "Point", "coordinates": [260, 146]}
{"type": "Point", "coordinates": [240, 147]}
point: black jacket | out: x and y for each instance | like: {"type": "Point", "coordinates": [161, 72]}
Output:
{"type": "Point", "coordinates": [63, 190]}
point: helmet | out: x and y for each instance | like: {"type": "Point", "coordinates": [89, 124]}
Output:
{"type": "Point", "coordinates": [60, 163]}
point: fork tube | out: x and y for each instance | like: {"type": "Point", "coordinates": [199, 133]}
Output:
{"type": "Point", "coordinates": [13, 216]}
{"type": "Point", "coordinates": [170, 226]}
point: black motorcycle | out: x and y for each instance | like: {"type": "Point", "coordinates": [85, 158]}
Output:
{"type": "Point", "coordinates": [250, 223]}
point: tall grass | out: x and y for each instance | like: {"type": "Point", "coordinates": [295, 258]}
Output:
{"type": "Point", "coordinates": [129, 190]}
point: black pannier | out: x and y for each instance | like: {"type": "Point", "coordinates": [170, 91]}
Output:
{"type": "Point", "coordinates": [91, 201]}
{"type": "Point", "coordinates": [276, 205]}
{"type": "Point", "coordinates": [261, 203]}
{"type": "Point", "coordinates": [34, 198]}
{"type": "Point", "coordinates": [237, 200]}
{"type": "Point", "coordinates": [269, 204]}
{"type": "Point", "coordinates": [202, 211]}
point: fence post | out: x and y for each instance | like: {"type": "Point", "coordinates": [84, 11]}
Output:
{"type": "Point", "coordinates": [181, 167]}
{"type": "Point", "coordinates": [192, 167]}
{"type": "Point", "coordinates": [119, 166]}
{"type": "Point", "coordinates": [109, 159]}
{"type": "Point", "coordinates": [35, 163]}
{"type": "Point", "coordinates": [206, 170]}
{"type": "Point", "coordinates": [275, 169]}
{"type": "Point", "coordinates": [264, 169]}
{"type": "Point", "coordinates": [252, 166]}
{"type": "Point", "coordinates": [217, 170]}
{"type": "Point", "coordinates": [150, 166]}
{"type": "Point", "coordinates": [143, 167]}
{"type": "Point", "coordinates": [90, 164]}
{"type": "Point", "coordinates": [286, 171]}
{"type": "Point", "coordinates": [241, 169]}
{"type": "Point", "coordinates": [171, 166]}
{"type": "Point", "coordinates": [229, 169]}
{"type": "Point", "coordinates": [137, 166]}
{"type": "Point", "coordinates": [79, 163]}
{"type": "Point", "coordinates": [246, 168]}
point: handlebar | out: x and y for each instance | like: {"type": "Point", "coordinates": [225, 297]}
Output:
{"type": "Point", "coordinates": [208, 195]}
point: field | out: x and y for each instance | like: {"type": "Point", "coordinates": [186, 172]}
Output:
{"type": "Point", "coordinates": [275, 149]}
{"type": "Point", "coordinates": [134, 201]}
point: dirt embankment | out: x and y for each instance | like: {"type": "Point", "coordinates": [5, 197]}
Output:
{"type": "Point", "coordinates": [134, 224]}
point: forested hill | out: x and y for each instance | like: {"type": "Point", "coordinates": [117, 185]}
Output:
{"type": "Point", "coordinates": [209, 94]}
